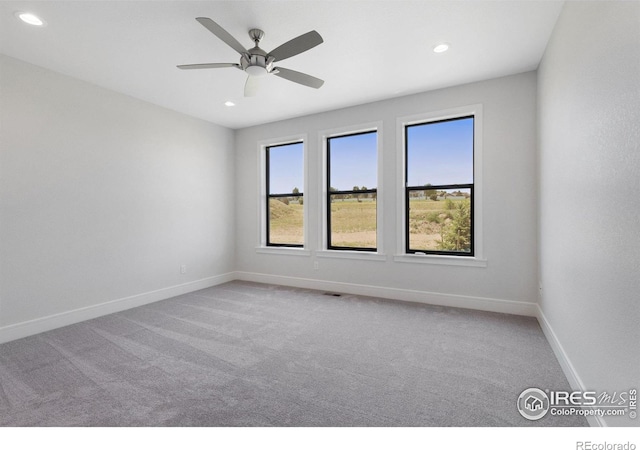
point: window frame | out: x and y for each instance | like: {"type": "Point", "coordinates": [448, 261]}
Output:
{"type": "Point", "coordinates": [324, 250]}
{"type": "Point", "coordinates": [404, 252]}
{"type": "Point", "coordinates": [265, 246]}
{"type": "Point", "coordinates": [330, 193]}
{"type": "Point", "coordinates": [439, 187]}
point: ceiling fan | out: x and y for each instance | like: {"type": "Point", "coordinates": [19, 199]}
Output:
{"type": "Point", "coordinates": [256, 62]}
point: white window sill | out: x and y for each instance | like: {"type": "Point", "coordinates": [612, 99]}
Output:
{"type": "Point", "coordinates": [350, 254]}
{"type": "Point", "coordinates": [441, 260]}
{"type": "Point", "coordinates": [292, 251]}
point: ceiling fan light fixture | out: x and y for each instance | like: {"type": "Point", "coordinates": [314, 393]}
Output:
{"type": "Point", "coordinates": [256, 71]}
{"type": "Point", "coordinates": [29, 18]}
{"type": "Point", "coordinates": [441, 48]}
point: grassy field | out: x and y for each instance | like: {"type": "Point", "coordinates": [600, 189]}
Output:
{"type": "Point", "coordinates": [285, 223]}
{"type": "Point", "coordinates": [354, 223]}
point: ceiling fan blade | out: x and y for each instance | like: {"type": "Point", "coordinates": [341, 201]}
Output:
{"type": "Point", "coordinates": [298, 77]}
{"type": "Point", "coordinates": [208, 66]}
{"type": "Point", "coordinates": [297, 45]}
{"type": "Point", "coordinates": [221, 34]}
{"type": "Point", "coordinates": [251, 86]}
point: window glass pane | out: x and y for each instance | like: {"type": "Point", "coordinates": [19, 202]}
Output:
{"type": "Point", "coordinates": [286, 168]}
{"type": "Point", "coordinates": [440, 153]}
{"type": "Point", "coordinates": [440, 220]}
{"type": "Point", "coordinates": [286, 221]}
{"type": "Point", "coordinates": [353, 161]}
{"type": "Point", "coordinates": [353, 220]}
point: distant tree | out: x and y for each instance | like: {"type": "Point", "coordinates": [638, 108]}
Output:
{"type": "Point", "coordinates": [332, 189]}
{"type": "Point", "coordinates": [357, 196]}
{"type": "Point", "coordinates": [430, 193]}
{"type": "Point", "coordinates": [295, 190]}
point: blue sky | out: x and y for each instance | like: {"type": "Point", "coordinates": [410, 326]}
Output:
{"type": "Point", "coordinates": [438, 153]}
{"type": "Point", "coordinates": [286, 168]}
{"type": "Point", "coordinates": [354, 161]}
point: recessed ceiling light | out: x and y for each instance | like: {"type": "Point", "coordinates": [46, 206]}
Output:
{"type": "Point", "coordinates": [29, 18]}
{"type": "Point", "coordinates": [229, 103]}
{"type": "Point", "coordinates": [441, 48]}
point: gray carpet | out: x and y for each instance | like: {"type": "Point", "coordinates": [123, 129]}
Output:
{"type": "Point", "coordinates": [248, 354]}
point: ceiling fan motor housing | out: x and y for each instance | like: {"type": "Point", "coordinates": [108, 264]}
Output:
{"type": "Point", "coordinates": [255, 61]}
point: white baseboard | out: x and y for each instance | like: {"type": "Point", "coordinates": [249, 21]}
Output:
{"type": "Point", "coordinates": [40, 325]}
{"type": "Point", "coordinates": [565, 363]}
{"type": "Point", "coordinates": [431, 298]}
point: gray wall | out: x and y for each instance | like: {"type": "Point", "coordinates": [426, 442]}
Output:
{"type": "Point", "coordinates": [510, 239]}
{"type": "Point", "coordinates": [589, 135]}
{"type": "Point", "coordinates": [103, 196]}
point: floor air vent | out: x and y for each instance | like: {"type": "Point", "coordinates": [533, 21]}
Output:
{"type": "Point", "coordinates": [332, 294]}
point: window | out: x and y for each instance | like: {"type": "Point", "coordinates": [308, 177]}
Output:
{"type": "Point", "coordinates": [352, 178]}
{"type": "Point", "coordinates": [285, 197]}
{"type": "Point", "coordinates": [439, 187]}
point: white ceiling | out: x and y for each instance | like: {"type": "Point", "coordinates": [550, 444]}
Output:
{"type": "Point", "coordinates": [372, 50]}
